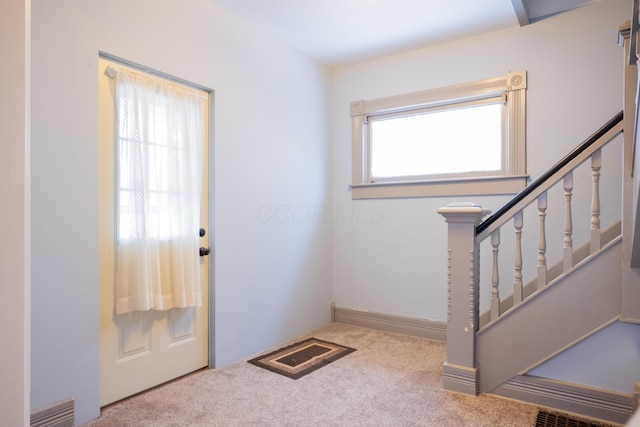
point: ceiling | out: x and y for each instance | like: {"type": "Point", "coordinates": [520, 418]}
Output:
{"type": "Point", "coordinates": [339, 32]}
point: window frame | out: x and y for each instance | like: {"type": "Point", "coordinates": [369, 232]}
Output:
{"type": "Point", "coordinates": [511, 88]}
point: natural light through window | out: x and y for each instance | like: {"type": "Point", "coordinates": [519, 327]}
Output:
{"type": "Point", "coordinates": [434, 143]}
{"type": "Point", "coordinates": [159, 158]}
{"type": "Point", "coordinates": [464, 139]}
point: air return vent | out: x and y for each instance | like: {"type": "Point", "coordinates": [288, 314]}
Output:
{"type": "Point", "coordinates": [59, 414]}
{"type": "Point", "coordinates": [546, 419]}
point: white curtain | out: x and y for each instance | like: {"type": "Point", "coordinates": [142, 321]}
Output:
{"type": "Point", "coordinates": [160, 131]}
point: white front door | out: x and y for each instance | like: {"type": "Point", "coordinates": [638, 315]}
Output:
{"type": "Point", "coordinates": [141, 349]}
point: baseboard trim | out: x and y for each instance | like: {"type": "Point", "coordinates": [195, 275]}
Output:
{"type": "Point", "coordinates": [460, 379]}
{"type": "Point", "coordinates": [58, 414]}
{"type": "Point", "coordinates": [424, 328]}
{"type": "Point", "coordinates": [604, 405]}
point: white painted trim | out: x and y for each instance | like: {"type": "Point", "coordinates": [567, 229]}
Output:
{"type": "Point", "coordinates": [605, 405]}
{"type": "Point", "coordinates": [460, 92]}
{"type": "Point", "coordinates": [424, 328]}
{"type": "Point", "coordinates": [511, 87]}
{"type": "Point", "coordinates": [441, 187]}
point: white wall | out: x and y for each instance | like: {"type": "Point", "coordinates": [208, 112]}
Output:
{"type": "Point", "coordinates": [14, 211]}
{"type": "Point", "coordinates": [272, 272]}
{"type": "Point", "coordinates": [389, 256]}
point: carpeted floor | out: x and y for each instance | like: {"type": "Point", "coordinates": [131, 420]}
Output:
{"type": "Point", "coordinates": [391, 380]}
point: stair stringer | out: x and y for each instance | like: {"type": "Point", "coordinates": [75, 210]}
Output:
{"type": "Point", "coordinates": [566, 311]}
{"type": "Point", "coordinates": [555, 271]}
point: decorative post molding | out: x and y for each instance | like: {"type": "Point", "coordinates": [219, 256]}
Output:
{"type": "Point", "coordinates": [459, 371]}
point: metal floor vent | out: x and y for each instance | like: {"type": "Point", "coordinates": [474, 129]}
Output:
{"type": "Point", "coordinates": [546, 419]}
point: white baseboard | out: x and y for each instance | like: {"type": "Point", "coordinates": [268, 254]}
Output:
{"type": "Point", "coordinates": [424, 328]}
{"type": "Point", "coordinates": [605, 405]}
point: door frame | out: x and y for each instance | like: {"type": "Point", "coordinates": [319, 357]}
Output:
{"type": "Point", "coordinates": [211, 180]}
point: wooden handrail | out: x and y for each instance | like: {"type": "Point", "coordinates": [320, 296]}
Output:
{"type": "Point", "coordinates": [617, 119]}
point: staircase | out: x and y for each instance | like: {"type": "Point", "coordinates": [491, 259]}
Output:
{"type": "Point", "coordinates": [500, 331]}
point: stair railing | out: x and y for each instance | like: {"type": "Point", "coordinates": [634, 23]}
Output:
{"type": "Point", "coordinates": [467, 231]}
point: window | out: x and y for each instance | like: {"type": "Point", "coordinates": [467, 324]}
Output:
{"type": "Point", "coordinates": [459, 140]}
{"type": "Point", "coordinates": [160, 137]}
{"type": "Point", "coordinates": [159, 165]}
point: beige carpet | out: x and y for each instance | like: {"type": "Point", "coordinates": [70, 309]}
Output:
{"type": "Point", "coordinates": [391, 380]}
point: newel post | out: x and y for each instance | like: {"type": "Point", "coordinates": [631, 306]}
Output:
{"type": "Point", "coordinates": [459, 371]}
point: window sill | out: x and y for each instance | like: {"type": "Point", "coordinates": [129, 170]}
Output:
{"type": "Point", "coordinates": [439, 188]}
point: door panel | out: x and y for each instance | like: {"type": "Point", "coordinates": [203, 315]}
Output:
{"type": "Point", "coordinates": [140, 350]}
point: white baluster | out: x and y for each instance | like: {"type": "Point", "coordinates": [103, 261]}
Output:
{"type": "Point", "coordinates": [568, 223]}
{"type": "Point", "coordinates": [596, 164]}
{"type": "Point", "coordinates": [517, 283]}
{"type": "Point", "coordinates": [542, 244]}
{"type": "Point", "coordinates": [495, 278]}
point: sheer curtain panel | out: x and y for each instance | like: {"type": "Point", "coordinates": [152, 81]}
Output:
{"type": "Point", "coordinates": [159, 172]}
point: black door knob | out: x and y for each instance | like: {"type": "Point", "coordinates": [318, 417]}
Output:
{"type": "Point", "coordinates": [204, 251]}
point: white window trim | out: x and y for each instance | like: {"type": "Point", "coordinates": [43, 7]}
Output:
{"type": "Point", "coordinates": [512, 86]}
